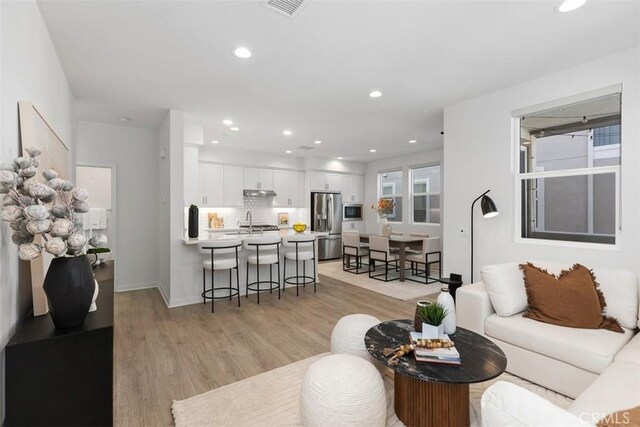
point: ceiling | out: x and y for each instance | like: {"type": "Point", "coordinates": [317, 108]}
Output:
{"type": "Point", "coordinates": [312, 73]}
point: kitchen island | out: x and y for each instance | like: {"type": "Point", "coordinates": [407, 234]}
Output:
{"type": "Point", "coordinates": [192, 288]}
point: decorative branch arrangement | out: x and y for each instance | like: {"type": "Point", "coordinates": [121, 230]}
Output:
{"type": "Point", "coordinates": [385, 206]}
{"type": "Point", "coordinates": [49, 209]}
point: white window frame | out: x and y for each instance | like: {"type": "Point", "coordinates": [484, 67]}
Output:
{"type": "Point", "coordinates": [391, 218]}
{"type": "Point", "coordinates": [412, 194]}
{"type": "Point", "coordinates": [520, 177]}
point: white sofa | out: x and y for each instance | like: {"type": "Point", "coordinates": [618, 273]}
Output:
{"type": "Point", "coordinates": [600, 369]}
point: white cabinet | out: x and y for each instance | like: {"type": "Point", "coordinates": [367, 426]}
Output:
{"type": "Point", "coordinates": [352, 188]}
{"type": "Point", "coordinates": [289, 188]}
{"type": "Point", "coordinates": [190, 183]}
{"type": "Point", "coordinates": [258, 179]}
{"type": "Point", "coordinates": [211, 185]}
{"type": "Point", "coordinates": [321, 181]}
{"type": "Point", "coordinates": [233, 186]}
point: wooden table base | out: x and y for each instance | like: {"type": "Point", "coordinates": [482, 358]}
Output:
{"type": "Point", "coordinates": [425, 403]}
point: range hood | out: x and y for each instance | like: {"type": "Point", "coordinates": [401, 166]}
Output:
{"type": "Point", "coordinates": [259, 193]}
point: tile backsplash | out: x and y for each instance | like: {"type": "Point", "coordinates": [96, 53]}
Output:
{"type": "Point", "coordinates": [262, 213]}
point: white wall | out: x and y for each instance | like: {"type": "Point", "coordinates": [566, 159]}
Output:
{"type": "Point", "coordinates": [134, 152]}
{"type": "Point", "coordinates": [170, 206]}
{"type": "Point", "coordinates": [423, 158]}
{"type": "Point", "coordinates": [29, 71]}
{"type": "Point", "coordinates": [164, 217]}
{"type": "Point", "coordinates": [479, 149]}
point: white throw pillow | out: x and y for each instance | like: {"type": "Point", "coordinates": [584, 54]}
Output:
{"type": "Point", "coordinates": [505, 286]}
{"type": "Point", "coordinates": [620, 290]}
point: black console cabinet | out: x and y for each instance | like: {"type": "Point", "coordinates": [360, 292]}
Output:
{"type": "Point", "coordinates": [63, 377]}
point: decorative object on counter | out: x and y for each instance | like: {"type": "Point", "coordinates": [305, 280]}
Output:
{"type": "Point", "coordinates": [299, 227]}
{"type": "Point", "coordinates": [94, 306]}
{"type": "Point", "coordinates": [95, 252]}
{"type": "Point", "coordinates": [50, 210]}
{"type": "Point", "coordinates": [283, 218]}
{"type": "Point", "coordinates": [215, 221]}
{"type": "Point", "coordinates": [193, 222]}
{"type": "Point", "coordinates": [384, 208]}
{"type": "Point", "coordinates": [432, 317]}
{"type": "Point", "coordinates": [98, 243]}
{"type": "Point", "coordinates": [446, 300]}
{"type": "Point", "coordinates": [417, 319]}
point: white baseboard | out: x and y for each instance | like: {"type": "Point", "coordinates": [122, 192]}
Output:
{"type": "Point", "coordinates": [164, 297]}
{"type": "Point", "coordinates": [136, 287]}
{"type": "Point", "coordinates": [185, 301]}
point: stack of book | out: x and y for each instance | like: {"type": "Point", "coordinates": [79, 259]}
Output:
{"type": "Point", "coordinates": [449, 356]}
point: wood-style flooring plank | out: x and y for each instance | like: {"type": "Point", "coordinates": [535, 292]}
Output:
{"type": "Point", "coordinates": [163, 355]}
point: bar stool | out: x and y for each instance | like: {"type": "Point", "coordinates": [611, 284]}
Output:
{"type": "Point", "coordinates": [263, 251]}
{"type": "Point", "coordinates": [224, 256]}
{"type": "Point", "coordinates": [430, 247]}
{"type": "Point", "coordinates": [379, 251]}
{"type": "Point", "coordinates": [300, 248]}
{"type": "Point", "coordinates": [352, 247]}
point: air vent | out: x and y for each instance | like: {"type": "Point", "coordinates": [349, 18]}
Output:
{"type": "Point", "coordinates": [306, 148]}
{"type": "Point", "coordinates": [285, 7]}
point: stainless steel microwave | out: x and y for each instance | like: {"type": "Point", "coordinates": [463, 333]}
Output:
{"type": "Point", "coordinates": [352, 212]}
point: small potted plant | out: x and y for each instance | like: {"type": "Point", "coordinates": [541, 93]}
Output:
{"type": "Point", "coordinates": [432, 316]}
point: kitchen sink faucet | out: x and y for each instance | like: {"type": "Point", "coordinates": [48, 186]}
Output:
{"type": "Point", "coordinates": [250, 218]}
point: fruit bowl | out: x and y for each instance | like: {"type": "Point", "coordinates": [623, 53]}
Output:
{"type": "Point", "coordinates": [299, 228]}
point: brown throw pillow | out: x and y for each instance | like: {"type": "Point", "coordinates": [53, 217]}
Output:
{"type": "Point", "coordinates": [572, 299]}
{"type": "Point", "coordinates": [626, 418]}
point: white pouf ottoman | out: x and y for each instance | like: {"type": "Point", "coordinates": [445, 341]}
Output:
{"type": "Point", "coordinates": [348, 335]}
{"type": "Point", "coordinates": [342, 389]}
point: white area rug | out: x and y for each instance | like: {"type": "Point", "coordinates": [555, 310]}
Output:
{"type": "Point", "coordinates": [273, 398]}
{"type": "Point", "coordinates": [399, 290]}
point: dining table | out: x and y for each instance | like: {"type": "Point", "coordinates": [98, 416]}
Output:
{"type": "Point", "coordinates": [401, 242]}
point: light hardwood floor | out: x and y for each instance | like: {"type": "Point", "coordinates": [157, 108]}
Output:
{"type": "Point", "coordinates": [163, 355]}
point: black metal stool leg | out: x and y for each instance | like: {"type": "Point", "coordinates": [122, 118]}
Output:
{"type": "Point", "coordinates": [246, 295]}
{"type": "Point", "coordinates": [271, 278]}
{"type": "Point", "coordinates": [213, 291]}
{"type": "Point", "coordinates": [204, 300]}
{"type": "Point", "coordinates": [230, 282]}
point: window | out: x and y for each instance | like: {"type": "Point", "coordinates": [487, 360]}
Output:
{"type": "Point", "coordinates": [569, 171]}
{"type": "Point", "coordinates": [391, 187]}
{"type": "Point", "coordinates": [425, 194]}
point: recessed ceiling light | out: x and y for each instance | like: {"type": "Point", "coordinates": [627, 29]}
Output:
{"type": "Point", "coordinates": [235, 128]}
{"type": "Point", "coordinates": [412, 141]}
{"type": "Point", "coordinates": [288, 151]}
{"type": "Point", "coordinates": [227, 122]}
{"type": "Point", "coordinates": [215, 142]}
{"type": "Point", "coordinates": [317, 142]}
{"type": "Point", "coordinates": [242, 52]}
{"type": "Point", "coordinates": [570, 5]}
{"type": "Point", "coordinates": [375, 94]}
{"type": "Point", "coordinates": [340, 158]}
{"type": "Point", "coordinates": [124, 119]}
{"type": "Point", "coordinates": [287, 132]}
{"type": "Point", "coordinates": [373, 150]}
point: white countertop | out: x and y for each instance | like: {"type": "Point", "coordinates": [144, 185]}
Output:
{"type": "Point", "coordinates": [228, 234]}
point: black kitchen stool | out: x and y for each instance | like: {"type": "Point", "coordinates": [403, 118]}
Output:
{"type": "Point", "coordinates": [300, 248]}
{"type": "Point", "coordinates": [224, 256]}
{"type": "Point", "coordinates": [263, 251]}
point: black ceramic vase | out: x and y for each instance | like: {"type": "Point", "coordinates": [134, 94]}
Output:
{"type": "Point", "coordinates": [193, 221]}
{"type": "Point", "coordinates": [69, 285]}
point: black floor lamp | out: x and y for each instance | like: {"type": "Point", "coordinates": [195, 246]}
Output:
{"type": "Point", "coordinates": [489, 210]}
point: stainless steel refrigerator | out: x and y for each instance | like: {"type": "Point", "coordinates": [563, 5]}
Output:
{"type": "Point", "coordinates": [326, 217]}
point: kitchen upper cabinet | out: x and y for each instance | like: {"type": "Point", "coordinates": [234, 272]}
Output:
{"type": "Point", "coordinates": [289, 188]}
{"type": "Point", "coordinates": [352, 188]}
{"type": "Point", "coordinates": [258, 179]}
{"type": "Point", "coordinates": [211, 186]}
{"type": "Point", "coordinates": [190, 183]}
{"type": "Point", "coordinates": [233, 186]}
{"type": "Point", "coordinates": [321, 181]}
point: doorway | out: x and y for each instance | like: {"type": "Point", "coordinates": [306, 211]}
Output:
{"type": "Point", "coordinates": [100, 181]}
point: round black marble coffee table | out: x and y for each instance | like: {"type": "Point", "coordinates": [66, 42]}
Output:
{"type": "Point", "coordinates": [432, 394]}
